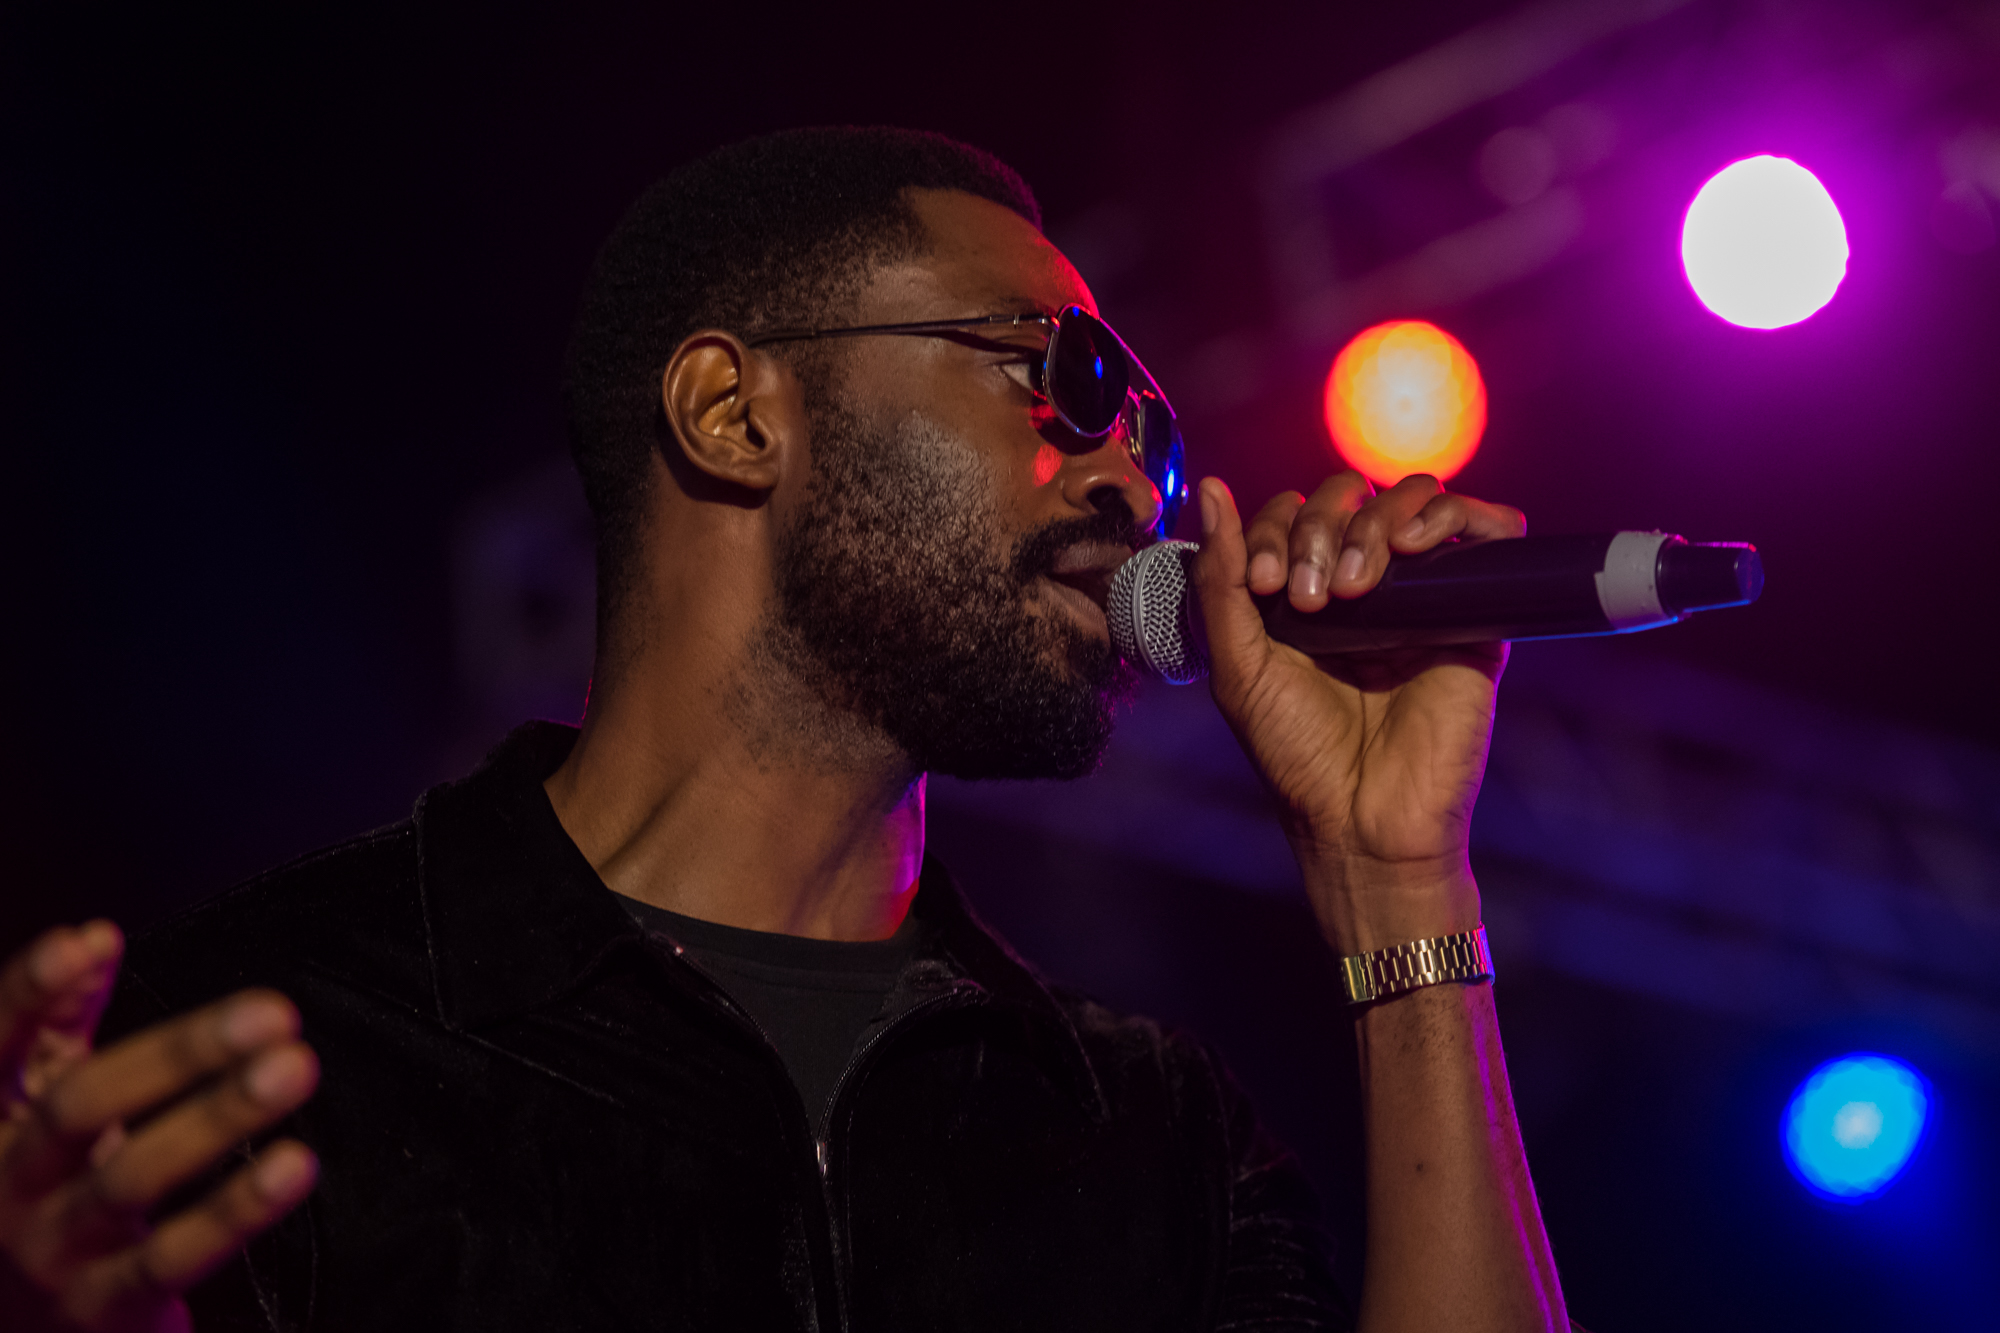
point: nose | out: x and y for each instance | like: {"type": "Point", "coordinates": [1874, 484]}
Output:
{"type": "Point", "coordinates": [1091, 480]}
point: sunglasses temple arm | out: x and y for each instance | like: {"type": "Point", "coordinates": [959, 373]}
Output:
{"type": "Point", "coordinates": [1132, 360]}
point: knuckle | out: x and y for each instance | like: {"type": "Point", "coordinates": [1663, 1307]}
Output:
{"type": "Point", "coordinates": [1271, 533]}
{"type": "Point", "coordinates": [63, 1111]}
{"type": "Point", "coordinates": [116, 1187]}
{"type": "Point", "coordinates": [1264, 536]}
{"type": "Point", "coordinates": [241, 1208]}
{"type": "Point", "coordinates": [1311, 522]}
{"type": "Point", "coordinates": [1344, 498]}
{"type": "Point", "coordinates": [1365, 528]}
{"type": "Point", "coordinates": [1280, 506]}
{"type": "Point", "coordinates": [235, 1210]}
{"type": "Point", "coordinates": [1312, 539]}
{"type": "Point", "coordinates": [221, 1117]}
{"type": "Point", "coordinates": [149, 1271]}
{"type": "Point", "coordinates": [264, 995]}
{"type": "Point", "coordinates": [196, 1045]}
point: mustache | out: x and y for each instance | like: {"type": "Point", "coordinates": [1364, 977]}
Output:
{"type": "Point", "coordinates": [1035, 553]}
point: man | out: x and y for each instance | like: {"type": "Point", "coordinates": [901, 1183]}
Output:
{"type": "Point", "coordinates": [669, 1023]}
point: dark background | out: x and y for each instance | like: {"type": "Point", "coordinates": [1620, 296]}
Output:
{"type": "Point", "coordinates": [286, 291]}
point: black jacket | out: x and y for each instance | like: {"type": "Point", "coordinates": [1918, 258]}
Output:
{"type": "Point", "coordinates": [534, 1115]}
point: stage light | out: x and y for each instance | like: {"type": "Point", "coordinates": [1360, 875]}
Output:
{"type": "Point", "coordinates": [1405, 397]}
{"type": "Point", "coordinates": [1852, 1125]}
{"type": "Point", "coordinates": [1763, 244]}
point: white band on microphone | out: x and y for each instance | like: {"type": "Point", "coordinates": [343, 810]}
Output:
{"type": "Point", "coordinates": [1627, 586]}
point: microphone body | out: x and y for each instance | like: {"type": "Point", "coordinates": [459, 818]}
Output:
{"type": "Point", "coordinates": [1460, 592]}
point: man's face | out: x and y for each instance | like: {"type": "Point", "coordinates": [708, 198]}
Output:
{"type": "Point", "coordinates": [944, 574]}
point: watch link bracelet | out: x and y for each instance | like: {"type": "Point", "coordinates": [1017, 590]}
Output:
{"type": "Point", "coordinates": [1407, 967]}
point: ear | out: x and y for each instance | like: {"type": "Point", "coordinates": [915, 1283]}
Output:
{"type": "Point", "coordinates": [737, 414]}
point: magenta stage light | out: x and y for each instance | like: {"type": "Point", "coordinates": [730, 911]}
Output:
{"type": "Point", "coordinates": [1763, 244]}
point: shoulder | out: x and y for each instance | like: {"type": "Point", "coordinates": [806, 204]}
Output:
{"type": "Point", "coordinates": [1133, 1040]}
{"type": "Point", "coordinates": [1138, 1061]}
{"type": "Point", "coordinates": [350, 912]}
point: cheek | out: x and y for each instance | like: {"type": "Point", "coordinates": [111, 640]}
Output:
{"type": "Point", "coordinates": [1048, 462]}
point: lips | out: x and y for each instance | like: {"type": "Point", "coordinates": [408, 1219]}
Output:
{"type": "Point", "coordinates": [1083, 572]}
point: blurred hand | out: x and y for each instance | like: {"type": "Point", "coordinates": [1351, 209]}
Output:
{"type": "Point", "coordinates": [1375, 758]}
{"type": "Point", "coordinates": [91, 1143]}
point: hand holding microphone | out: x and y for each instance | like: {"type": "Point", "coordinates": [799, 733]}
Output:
{"type": "Point", "coordinates": [1375, 758]}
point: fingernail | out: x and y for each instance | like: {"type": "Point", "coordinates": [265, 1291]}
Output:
{"type": "Point", "coordinates": [250, 1024]}
{"type": "Point", "coordinates": [276, 1077]}
{"type": "Point", "coordinates": [1415, 529]}
{"type": "Point", "coordinates": [1265, 568]}
{"type": "Point", "coordinates": [1306, 581]}
{"type": "Point", "coordinates": [1349, 567]}
{"type": "Point", "coordinates": [281, 1174]}
{"type": "Point", "coordinates": [1209, 514]}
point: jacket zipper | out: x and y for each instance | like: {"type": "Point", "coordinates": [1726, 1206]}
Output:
{"type": "Point", "coordinates": [823, 1144]}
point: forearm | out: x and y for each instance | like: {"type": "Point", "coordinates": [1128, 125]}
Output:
{"type": "Point", "coordinates": [1375, 762]}
{"type": "Point", "coordinates": [1455, 1239]}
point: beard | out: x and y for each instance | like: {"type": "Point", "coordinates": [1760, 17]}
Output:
{"type": "Point", "coordinates": [891, 606]}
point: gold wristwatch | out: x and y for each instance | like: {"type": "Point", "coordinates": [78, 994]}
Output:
{"type": "Point", "coordinates": [1407, 967]}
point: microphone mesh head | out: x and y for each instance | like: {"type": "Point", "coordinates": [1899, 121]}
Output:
{"type": "Point", "coordinates": [1149, 613]}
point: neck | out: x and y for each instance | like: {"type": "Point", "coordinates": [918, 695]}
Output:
{"type": "Point", "coordinates": [734, 796]}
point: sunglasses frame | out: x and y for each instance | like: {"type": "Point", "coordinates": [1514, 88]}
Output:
{"type": "Point", "coordinates": [1173, 486]}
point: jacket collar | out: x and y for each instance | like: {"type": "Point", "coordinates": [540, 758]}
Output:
{"type": "Point", "coordinates": [516, 917]}
{"type": "Point", "coordinates": [514, 914]}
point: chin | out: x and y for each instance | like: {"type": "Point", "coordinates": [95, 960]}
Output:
{"type": "Point", "coordinates": [1021, 768]}
{"type": "Point", "coordinates": [1055, 744]}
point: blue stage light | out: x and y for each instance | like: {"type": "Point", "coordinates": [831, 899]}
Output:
{"type": "Point", "coordinates": [1852, 1125]}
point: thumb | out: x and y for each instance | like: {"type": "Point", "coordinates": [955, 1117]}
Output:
{"type": "Point", "coordinates": [1237, 643]}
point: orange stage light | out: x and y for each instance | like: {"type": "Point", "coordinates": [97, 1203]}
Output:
{"type": "Point", "coordinates": [1405, 397]}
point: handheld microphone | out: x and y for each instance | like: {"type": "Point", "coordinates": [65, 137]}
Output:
{"type": "Point", "coordinates": [1460, 592]}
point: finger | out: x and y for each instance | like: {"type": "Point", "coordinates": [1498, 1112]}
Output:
{"type": "Point", "coordinates": [192, 1244]}
{"type": "Point", "coordinates": [138, 1074]}
{"type": "Point", "coordinates": [1365, 545]}
{"type": "Point", "coordinates": [1317, 531]}
{"type": "Point", "coordinates": [60, 981]}
{"type": "Point", "coordinates": [187, 1139]}
{"type": "Point", "coordinates": [1448, 515]}
{"type": "Point", "coordinates": [189, 1246]}
{"type": "Point", "coordinates": [1229, 618]}
{"type": "Point", "coordinates": [1267, 541]}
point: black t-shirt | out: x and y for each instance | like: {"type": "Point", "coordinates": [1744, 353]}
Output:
{"type": "Point", "coordinates": [817, 1001]}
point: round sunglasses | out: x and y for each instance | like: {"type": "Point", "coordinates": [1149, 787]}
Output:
{"type": "Point", "coordinates": [1086, 374]}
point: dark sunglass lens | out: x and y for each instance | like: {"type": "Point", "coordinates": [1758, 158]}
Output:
{"type": "Point", "coordinates": [1087, 373]}
{"type": "Point", "coordinates": [1163, 457]}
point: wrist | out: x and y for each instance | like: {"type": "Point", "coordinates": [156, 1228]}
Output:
{"type": "Point", "coordinates": [1364, 906]}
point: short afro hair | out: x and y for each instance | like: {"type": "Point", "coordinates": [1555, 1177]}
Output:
{"type": "Point", "coordinates": [768, 233]}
